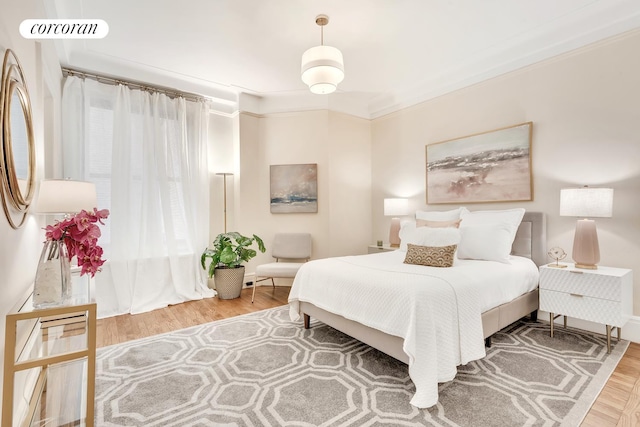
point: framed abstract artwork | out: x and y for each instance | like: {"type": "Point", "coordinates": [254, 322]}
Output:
{"type": "Point", "coordinates": [492, 166]}
{"type": "Point", "coordinates": [294, 188]}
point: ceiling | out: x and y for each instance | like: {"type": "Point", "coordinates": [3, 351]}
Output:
{"type": "Point", "coordinates": [245, 54]}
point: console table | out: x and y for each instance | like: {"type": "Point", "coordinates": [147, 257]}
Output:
{"type": "Point", "coordinates": [49, 355]}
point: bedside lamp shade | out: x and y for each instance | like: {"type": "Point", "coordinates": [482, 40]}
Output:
{"type": "Point", "coordinates": [63, 196]}
{"type": "Point", "coordinates": [586, 202]}
{"type": "Point", "coordinates": [395, 208]}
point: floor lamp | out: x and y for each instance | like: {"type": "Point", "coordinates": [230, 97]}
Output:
{"type": "Point", "coordinates": [224, 177]}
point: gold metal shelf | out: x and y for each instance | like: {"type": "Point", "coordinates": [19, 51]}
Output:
{"type": "Point", "coordinates": [51, 352]}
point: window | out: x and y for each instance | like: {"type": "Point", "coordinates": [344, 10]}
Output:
{"type": "Point", "coordinates": [164, 158]}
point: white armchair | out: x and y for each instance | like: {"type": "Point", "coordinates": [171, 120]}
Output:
{"type": "Point", "coordinates": [295, 248]}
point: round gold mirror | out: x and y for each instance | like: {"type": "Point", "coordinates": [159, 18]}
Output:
{"type": "Point", "coordinates": [17, 162]}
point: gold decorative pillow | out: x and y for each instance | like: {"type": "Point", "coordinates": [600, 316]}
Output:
{"type": "Point", "coordinates": [438, 224]}
{"type": "Point", "coordinates": [432, 256]}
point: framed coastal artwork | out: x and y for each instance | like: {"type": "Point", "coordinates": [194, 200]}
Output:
{"type": "Point", "coordinates": [492, 166]}
{"type": "Point", "coordinates": [294, 188]}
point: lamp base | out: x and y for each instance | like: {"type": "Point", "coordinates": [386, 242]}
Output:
{"type": "Point", "coordinates": [394, 233]}
{"type": "Point", "coordinates": [586, 266]}
{"type": "Point", "coordinates": [586, 251]}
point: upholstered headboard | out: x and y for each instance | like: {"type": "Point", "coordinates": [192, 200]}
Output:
{"type": "Point", "coordinates": [531, 238]}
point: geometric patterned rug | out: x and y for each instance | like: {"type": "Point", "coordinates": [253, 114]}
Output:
{"type": "Point", "coordinates": [261, 369]}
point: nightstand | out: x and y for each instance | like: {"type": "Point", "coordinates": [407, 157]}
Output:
{"type": "Point", "coordinates": [374, 249]}
{"type": "Point", "coordinates": [603, 296]}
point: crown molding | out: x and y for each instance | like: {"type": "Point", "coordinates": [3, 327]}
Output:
{"type": "Point", "coordinates": [600, 21]}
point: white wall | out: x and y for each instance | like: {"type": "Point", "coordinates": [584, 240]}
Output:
{"type": "Point", "coordinates": [20, 249]}
{"type": "Point", "coordinates": [221, 160]}
{"type": "Point", "coordinates": [339, 144]}
{"type": "Point", "coordinates": [585, 114]}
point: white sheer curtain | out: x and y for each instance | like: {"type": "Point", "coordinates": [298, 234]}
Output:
{"type": "Point", "coordinates": [147, 154]}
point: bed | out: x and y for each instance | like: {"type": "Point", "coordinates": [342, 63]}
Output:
{"type": "Point", "coordinates": [455, 332]}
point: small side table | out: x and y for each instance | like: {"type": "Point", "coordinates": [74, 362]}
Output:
{"type": "Point", "coordinates": [374, 249]}
{"type": "Point", "coordinates": [603, 296]}
{"type": "Point", "coordinates": [55, 347]}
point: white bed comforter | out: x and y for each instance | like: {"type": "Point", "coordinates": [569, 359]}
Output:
{"type": "Point", "coordinates": [437, 311]}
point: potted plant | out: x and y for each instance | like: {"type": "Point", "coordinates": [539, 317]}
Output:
{"type": "Point", "coordinates": [229, 251]}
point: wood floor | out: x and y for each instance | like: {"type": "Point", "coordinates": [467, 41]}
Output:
{"type": "Point", "coordinates": [619, 401]}
{"type": "Point", "coordinates": [617, 405]}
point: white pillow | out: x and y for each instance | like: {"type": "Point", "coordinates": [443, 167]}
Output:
{"type": "Point", "coordinates": [427, 236]}
{"type": "Point", "coordinates": [489, 242]}
{"type": "Point", "coordinates": [451, 215]}
{"type": "Point", "coordinates": [504, 223]}
{"type": "Point", "coordinates": [509, 217]}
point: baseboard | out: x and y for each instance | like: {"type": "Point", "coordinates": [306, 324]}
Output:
{"type": "Point", "coordinates": [249, 278]}
{"type": "Point", "coordinates": [631, 331]}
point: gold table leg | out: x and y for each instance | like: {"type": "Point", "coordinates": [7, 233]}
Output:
{"type": "Point", "coordinates": [608, 338]}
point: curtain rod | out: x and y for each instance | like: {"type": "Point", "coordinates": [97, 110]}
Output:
{"type": "Point", "coordinates": [171, 93]}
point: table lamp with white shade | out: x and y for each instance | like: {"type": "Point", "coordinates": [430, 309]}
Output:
{"type": "Point", "coordinates": [59, 197]}
{"type": "Point", "coordinates": [64, 196]}
{"type": "Point", "coordinates": [586, 202]}
{"type": "Point", "coordinates": [395, 208]}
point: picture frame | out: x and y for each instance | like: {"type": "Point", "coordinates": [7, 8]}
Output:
{"type": "Point", "coordinates": [492, 166]}
{"type": "Point", "coordinates": [294, 188]}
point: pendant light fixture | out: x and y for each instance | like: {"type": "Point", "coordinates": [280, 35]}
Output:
{"type": "Point", "coordinates": [322, 66]}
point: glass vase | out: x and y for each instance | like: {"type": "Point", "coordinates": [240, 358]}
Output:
{"type": "Point", "coordinates": [53, 276]}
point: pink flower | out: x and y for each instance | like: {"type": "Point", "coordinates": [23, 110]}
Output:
{"type": "Point", "coordinates": [91, 260]}
{"type": "Point", "coordinates": [82, 220]}
{"type": "Point", "coordinates": [80, 234]}
{"type": "Point", "coordinates": [53, 232]}
{"type": "Point", "coordinates": [100, 214]}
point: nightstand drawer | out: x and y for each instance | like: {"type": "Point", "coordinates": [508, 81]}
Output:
{"type": "Point", "coordinates": [583, 307]}
{"type": "Point", "coordinates": [580, 282]}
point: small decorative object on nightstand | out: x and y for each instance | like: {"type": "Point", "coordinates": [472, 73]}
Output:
{"type": "Point", "coordinates": [557, 254]}
{"type": "Point", "coordinates": [374, 249]}
{"type": "Point", "coordinates": [603, 296]}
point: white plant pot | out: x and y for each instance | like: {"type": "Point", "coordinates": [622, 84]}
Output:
{"type": "Point", "coordinates": [228, 281]}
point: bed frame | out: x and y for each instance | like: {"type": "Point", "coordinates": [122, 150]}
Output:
{"type": "Point", "coordinates": [530, 241]}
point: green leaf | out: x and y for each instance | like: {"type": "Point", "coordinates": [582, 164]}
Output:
{"type": "Point", "coordinates": [227, 256]}
{"type": "Point", "coordinates": [248, 254]}
{"type": "Point", "coordinates": [233, 235]}
{"type": "Point", "coordinates": [203, 258]}
{"type": "Point", "coordinates": [260, 243]}
{"type": "Point", "coordinates": [244, 241]}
